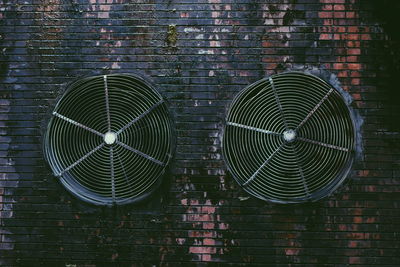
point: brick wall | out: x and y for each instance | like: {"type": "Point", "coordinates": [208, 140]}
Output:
{"type": "Point", "coordinates": [199, 53]}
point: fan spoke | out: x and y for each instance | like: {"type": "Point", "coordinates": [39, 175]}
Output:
{"type": "Point", "coordinates": [112, 173]}
{"type": "Point", "coordinates": [263, 165]}
{"type": "Point", "coordinates": [315, 109]}
{"type": "Point", "coordinates": [140, 116]}
{"type": "Point", "coordinates": [107, 103]}
{"type": "Point", "coordinates": [255, 96]}
{"type": "Point", "coordinates": [80, 160]}
{"type": "Point", "coordinates": [300, 171]}
{"type": "Point", "coordinates": [123, 169]}
{"type": "Point", "coordinates": [140, 153]}
{"type": "Point", "coordinates": [278, 102]}
{"type": "Point", "coordinates": [77, 124]}
{"type": "Point", "coordinates": [323, 144]}
{"type": "Point", "coordinates": [252, 128]}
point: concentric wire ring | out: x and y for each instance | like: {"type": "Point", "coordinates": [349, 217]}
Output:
{"type": "Point", "coordinates": [289, 138]}
{"type": "Point", "coordinates": [110, 139]}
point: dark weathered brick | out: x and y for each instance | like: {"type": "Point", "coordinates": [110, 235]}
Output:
{"type": "Point", "coordinates": [200, 216]}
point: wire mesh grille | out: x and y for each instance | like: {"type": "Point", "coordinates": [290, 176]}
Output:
{"type": "Point", "coordinates": [289, 138]}
{"type": "Point", "coordinates": [110, 139]}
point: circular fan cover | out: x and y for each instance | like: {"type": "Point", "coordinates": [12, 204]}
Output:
{"type": "Point", "coordinates": [110, 139]}
{"type": "Point", "coordinates": [289, 138]}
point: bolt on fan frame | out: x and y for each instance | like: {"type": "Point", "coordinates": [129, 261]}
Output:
{"type": "Point", "coordinates": [115, 137]}
{"type": "Point", "coordinates": [287, 136]}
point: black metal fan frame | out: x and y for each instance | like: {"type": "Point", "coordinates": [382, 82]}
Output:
{"type": "Point", "coordinates": [320, 194]}
{"type": "Point", "coordinates": [68, 181]}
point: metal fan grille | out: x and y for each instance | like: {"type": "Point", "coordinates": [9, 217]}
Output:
{"type": "Point", "coordinates": [110, 139]}
{"type": "Point", "coordinates": [289, 138]}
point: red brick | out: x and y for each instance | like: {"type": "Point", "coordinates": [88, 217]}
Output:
{"type": "Point", "coordinates": [354, 51]}
{"type": "Point", "coordinates": [199, 250]}
{"type": "Point", "coordinates": [325, 36]}
{"type": "Point", "coordinates": [353, 29]}
{"type": "Point", "coordinates": [206, 257]}
{"type": "Point", "coordinates": [292, 251]}
{"type": "Point", "coordinates": [356, 96]}
{"type": "Point", "coordinates": [333, 1]}
{"type": "Point", "coordinates": [353, 36]}
{"type": "Point", "coordinates": [339, 15]}
{"type": "Point", "coordinates": [327, 65]}
{"type": "Point", "coordinates": [267, 44]}
{"type": "Point", "coordinates": [208, 225]}
{"type": "Point", "coordinates": [223, 226]}
{"type": "Point", "coordinates": [201, 233]}
{"type": "Point", "coordinates": [355, 81]}
{"type": "Point", "coordinates": [350, 15]}
{"type": "Point", "coordinates": [356, 211]}
{"type": "Point", "coordinates": [354, 66]}
{"type": "Point", "coordinates": [325, 15]}
{"type": "Point", "coordinates": [342, 74]}
{"type": "Point", "coordinates": [351, 58]}
{"type": "Point", "coordinates": [366, 37]}
{"type": "Point", "coordinates": [355, 74]}
{"type": "Point", "coordinates": [340, 29]}
{"type": "Point", "coordinates": [208, 242]}
{"type": "Point", "coordinates": [338, 66]}
{"type": "Point", "coordinates": [184, 14]}
{"type": "Point", "coordinates": [327, 7]}
{"type": "Point", "coordinates": [338, 7]}
{"type": "Point", "coordinates": [200, 217]}
{"type": "Point", "coordinates": [194, 202]}
{"type": "Point", "coordinates": [208, 209]}
{"type": "Point", "coordinates": [371, 219]}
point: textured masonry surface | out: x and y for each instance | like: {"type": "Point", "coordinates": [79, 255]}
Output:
{"type": "Point", "coordinates": [199, 54]}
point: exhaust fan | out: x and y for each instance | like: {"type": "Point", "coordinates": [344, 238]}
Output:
{"type": "Point", "coordinates": [289, 138]}
{"type": "Point", "coordinates": [110, 139]}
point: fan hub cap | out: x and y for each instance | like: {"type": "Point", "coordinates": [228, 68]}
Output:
{"type": "Point", "coordinates": [289, 135]}
{"type": "Point", "coordinates": [110, 138]}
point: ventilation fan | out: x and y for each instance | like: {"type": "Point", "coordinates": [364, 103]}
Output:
{"type": "Point", "coordinates": [289, 138]}
{"type": "Point", "coordinates": [110, 139]}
